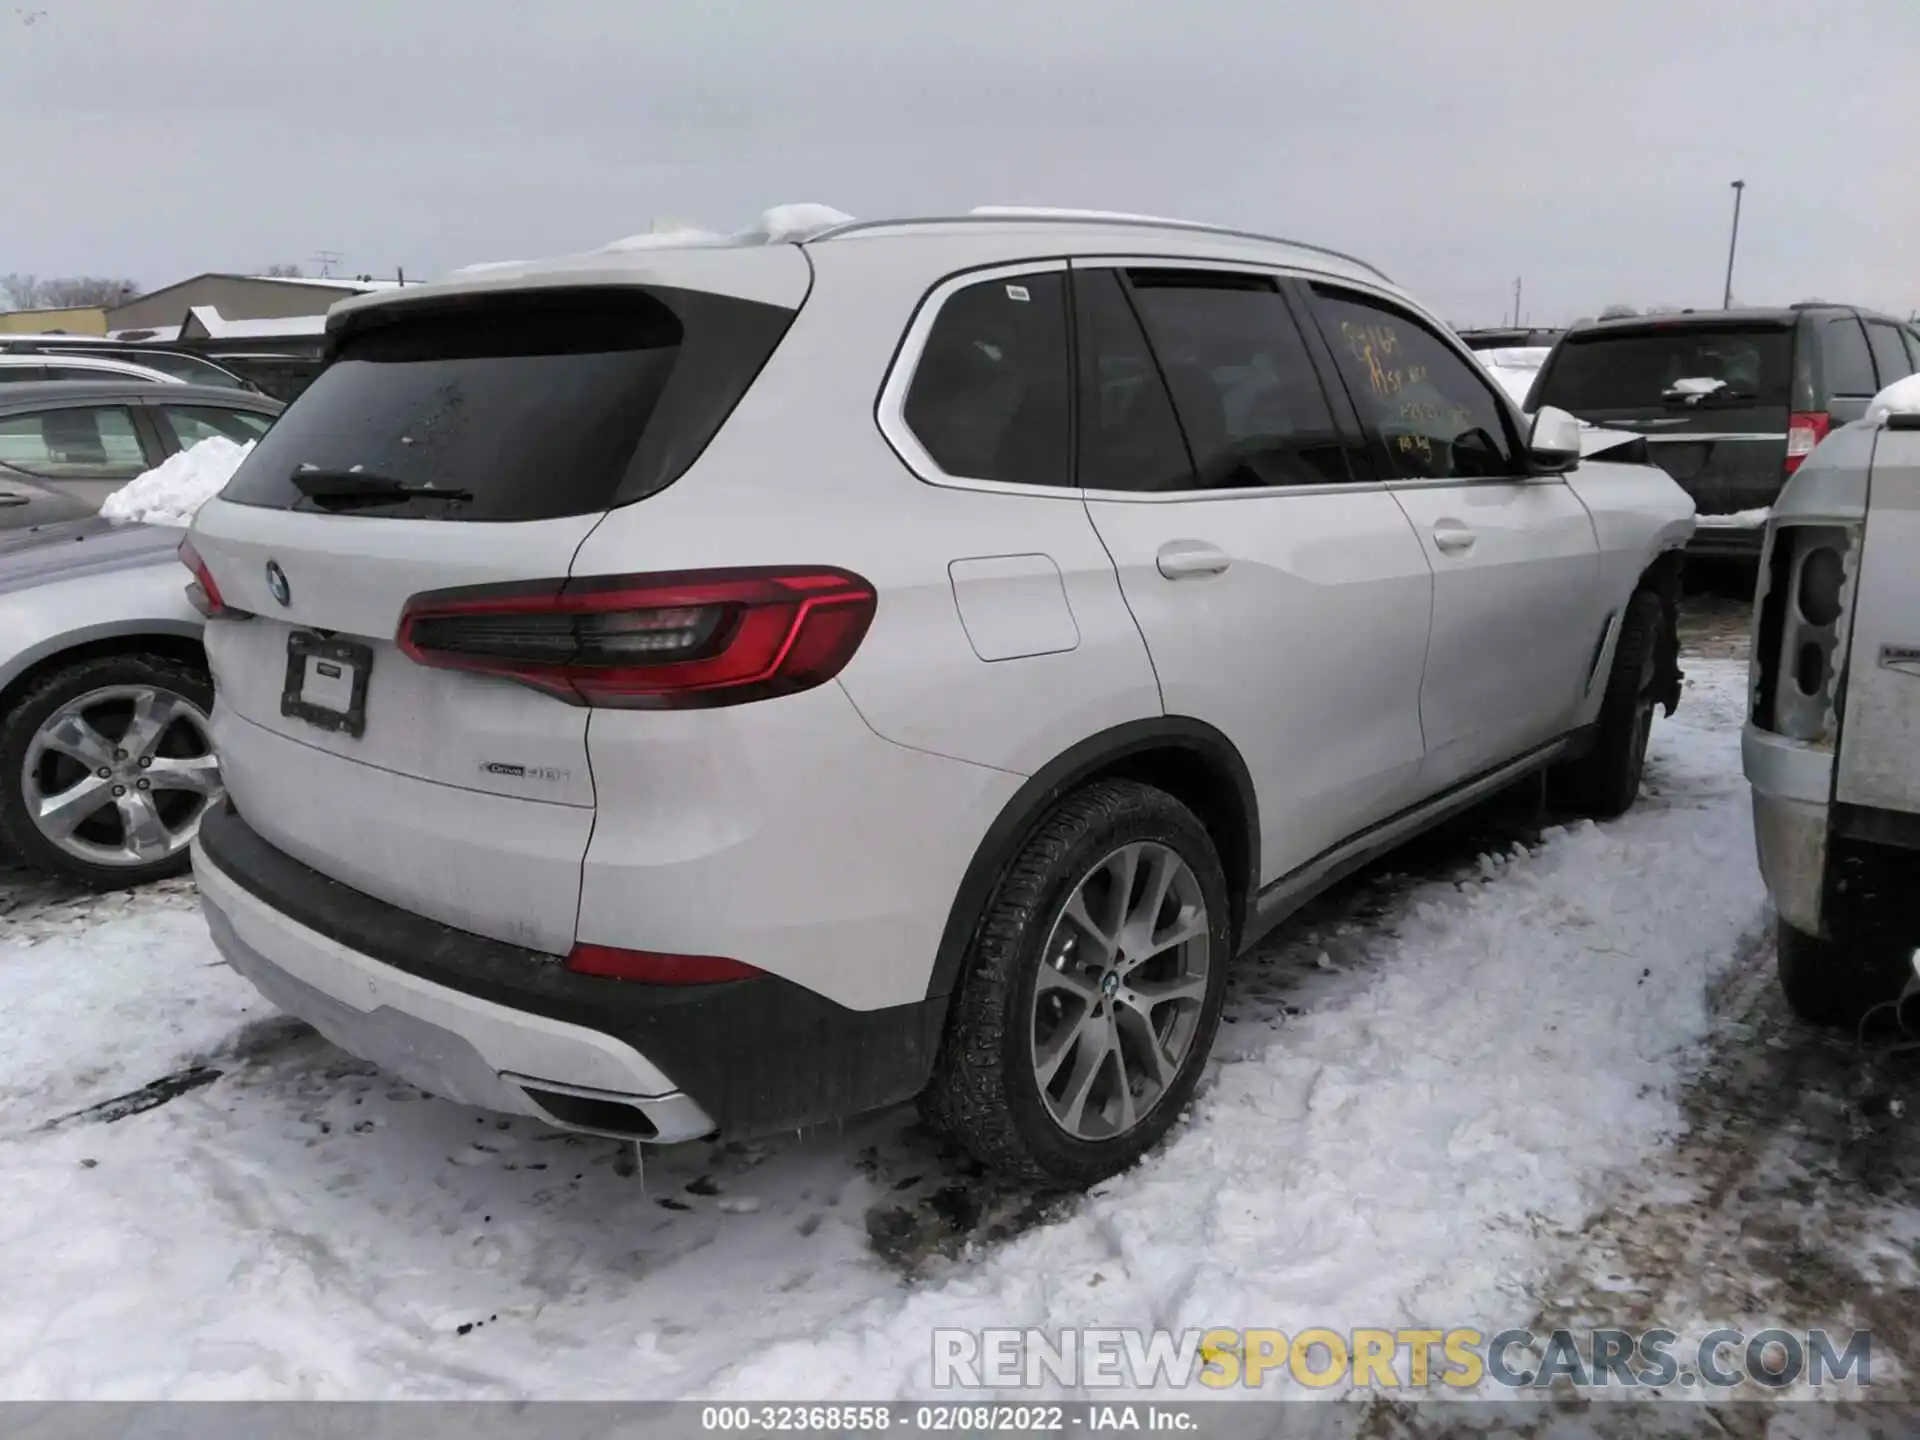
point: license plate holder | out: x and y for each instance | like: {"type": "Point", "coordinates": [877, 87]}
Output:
{"type": "Point", "coordinates": [327, 682]}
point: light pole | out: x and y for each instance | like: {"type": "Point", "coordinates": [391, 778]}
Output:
{"type": "Point", "coordinates": [1726, 302]}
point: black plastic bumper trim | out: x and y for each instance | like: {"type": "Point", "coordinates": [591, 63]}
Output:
{"type": "Point", "coordinates": [757, 1055]}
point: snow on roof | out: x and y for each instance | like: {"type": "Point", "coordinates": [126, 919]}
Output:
{"type": "Point", "coordinates": [146, 332]}
{"type": "Point", "coordinates": [327, 282]}
{"type": "Point", "coordinates": [218, 327]}
{"type": "Point", "coordinates": [1900, 398]}
{"type": "Point", "coordinates": [778, 225]}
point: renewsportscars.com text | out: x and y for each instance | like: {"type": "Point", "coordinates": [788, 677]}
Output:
{"type": "Point", "coordinates": [1414, 1359]}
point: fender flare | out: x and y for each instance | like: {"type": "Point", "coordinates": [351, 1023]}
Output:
{"type": "Point", "coordinates": [1128, 750]}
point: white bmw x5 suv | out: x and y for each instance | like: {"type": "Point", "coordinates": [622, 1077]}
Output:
{"type": "Point", "coordinates": [731, 687]}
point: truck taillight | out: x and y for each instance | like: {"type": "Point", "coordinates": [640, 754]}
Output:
{"type": "Point", "coordinates": [1805, 429]}
{"type": "Point", "coordinates": [1806, 590]}
{"type": "Point", "coordinates": [675, 641]}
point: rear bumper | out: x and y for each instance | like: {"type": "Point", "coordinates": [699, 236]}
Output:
{"type": "Point", "coordinates": [1791, 784]}
{"type": "Point", "coordinates": [511, 1029]}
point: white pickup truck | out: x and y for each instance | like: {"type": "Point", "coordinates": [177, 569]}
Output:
{"type": "Point", "coordinates": [1832, 740]}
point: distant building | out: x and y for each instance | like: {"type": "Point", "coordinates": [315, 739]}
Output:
{"type": "Point", "coordinates": [234, 297]}
{"type": "Point", "coordinates": [78, 320]}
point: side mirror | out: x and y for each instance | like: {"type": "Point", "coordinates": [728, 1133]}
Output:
{"type": "Point", "coordinates": [1553, 446]}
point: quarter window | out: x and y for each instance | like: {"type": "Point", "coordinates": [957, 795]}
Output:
{"type": "Point", "coordinates": [1437, 419]}
{"type": "Point", "coordinates": [1889, 355]}
{"type": "Point", "coordinates": [194, 423]}
{"type": "Point", "coordinates": [990, 394]}
{"type": "Point", "coordinates": [1129, 438]}
{"type": "Point", "coordinates": [79, 443]}
{"type": "Point", "coordinates": [1849, 364]}
{"type": "Point", "coordinates": [1242, 380]}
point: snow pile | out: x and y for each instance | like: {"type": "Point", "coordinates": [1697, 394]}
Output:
{"type": "Point", "coordinates": [1515, 366]}
{"type": "Point", "coordinates": [1739, 520]}
{"type": "Point", "coordinates": [1421, 1144]}
{"type": "Point", "coordinates": [665, 240]}
{"type": "Point", "coordinates": [779, 225]}
{"type": "Point", "coordinates": [1696, 385]}
{"type": "Point", "coordinates": [1900, 398]}
{"type": "Point", "coordinates": [173, 490]}
{"type": "Point", "coordinates": [785, 223]}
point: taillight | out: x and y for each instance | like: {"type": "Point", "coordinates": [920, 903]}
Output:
{"type": "Point", "coordinates": [649, 967]}
{"type": "Point", "coordinates": [685, 640]}
{"type": "Point", "coordinates": [1805, 429]}
{"type": "Point", "coordinates": [1805, 592]}
{"type": "Point", "coordinates": [202, 593]}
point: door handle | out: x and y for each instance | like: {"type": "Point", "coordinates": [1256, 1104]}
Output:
{"type": "Point", "coordinates": [1453, 537]}
{"type": "Point", "coordinates": [1180, 558]}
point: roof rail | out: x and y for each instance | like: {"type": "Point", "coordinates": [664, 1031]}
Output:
{"type": "Point", "coordinates": [989, 214]}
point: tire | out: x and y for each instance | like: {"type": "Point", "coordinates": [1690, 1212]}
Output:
{"type": "Point", "coordinates": [1837, 985]}
{"type": "Point", "coordinates": [1048, 1011]}
{"type": "Point", "coordinates": [1605, 781]}
{"type": "Point", "coordinates": [69, 728]}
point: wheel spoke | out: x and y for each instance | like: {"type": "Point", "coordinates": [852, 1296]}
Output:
{"type": "Point", "coordinates": [198, 773]}
{"type": "Point", "coordinates": [73, 737]}
{"type": "Point", "coordinates": [1162, 866]}
{"type": "Point", "coordinates": [1104, 939]}
{"type": "Point", "coordinates": [1069, 982]}
{"type": "Point", "coordinates": [147, 835]}
{"type": "Point", "coordinates": [1150, 995]}
{"type": "Point", "coordinates": [1063, 1043]}
{"type": "Point", "coordinates": [154, 712]}
{"type": "Point", "coordinates": [60, 814]}
{"type": "Point", "coordinates": [1124, 866]}
{"type": "Point", "coordinates": [1137, 1040]}
{"type": "Point", "coordinates": [1090, 1059]}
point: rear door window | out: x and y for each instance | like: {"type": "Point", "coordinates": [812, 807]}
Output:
{"type": "Point", "coordinates": [193, 423]}
{"type": "Point", "coordinates": [1129, 438]}
{"type": "Point", "coordinates": [97, 442]}
{"type": "Point", "coordinates": [21, 374]}
{"type": "Point", "coordinates": [1889, 355]}
{"type": "Point", "coordinates": [519, 407]}
{"type": "Point", "coordinates": [989, 399]}
{"type": "Point", "coordinates": [1437, 418]}
{"type": "Point", "coordinates": [1847, 361]}
{"type": "Point", "coordinates": [1670, 368]}
{"type": "Point", "coordinates": [1243, 383]}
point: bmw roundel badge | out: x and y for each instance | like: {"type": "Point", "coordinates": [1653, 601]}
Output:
{"type": "Point", "coordinates": [277, 583]}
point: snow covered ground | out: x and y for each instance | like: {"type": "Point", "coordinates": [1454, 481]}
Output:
{"type": "Point", "coordinates": [1434, 1091]}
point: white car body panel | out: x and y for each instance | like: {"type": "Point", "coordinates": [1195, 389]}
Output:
{"type": "Point", "coordinates": [40, 621]}
{"type": "Point", "coordinates": [1879, 760]}
{"type": "Point", "coordinates": [1515, 573]}
{"type": "Point", "coordinates": [1639, 514]}
{"type": "Point", "coordinates": [1265, 651]}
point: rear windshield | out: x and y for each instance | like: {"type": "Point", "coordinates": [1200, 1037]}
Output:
{"type": "Point", "coordinates": [521, 407]}
{"type": "Point", "coordinates": [1671, 369]}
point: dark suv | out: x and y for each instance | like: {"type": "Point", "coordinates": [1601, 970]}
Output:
{"type": "Point", "coordinates": [1730, 401]}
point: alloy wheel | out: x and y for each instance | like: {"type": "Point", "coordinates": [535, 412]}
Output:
{"type": "Point", "coordinates": [121, 776]}
{"type": "Point", "coordinates": [1121, 988]}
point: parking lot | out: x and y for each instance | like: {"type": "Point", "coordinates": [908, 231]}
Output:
{"type": "Point", "coordinates": [1520, 1076]}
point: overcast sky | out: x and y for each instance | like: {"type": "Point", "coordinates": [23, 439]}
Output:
{"type": "Point", "coordinates": [1586, 145]}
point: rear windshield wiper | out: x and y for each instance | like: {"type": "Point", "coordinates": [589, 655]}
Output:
{"type": "Point", "coordinates": [350, 487]}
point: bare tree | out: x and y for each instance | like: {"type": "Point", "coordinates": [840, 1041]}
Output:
{"type": "Point", "coordinates": [284, 272]}
{"type": "Point", "coordinates": [88, 290]}
{"type": "Point", "coordinates": [30, 292]}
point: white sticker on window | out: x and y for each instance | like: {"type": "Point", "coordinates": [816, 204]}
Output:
{"type": "Point", "coordinates": [1018, 292]}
